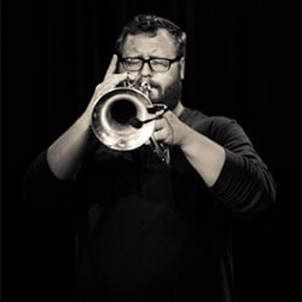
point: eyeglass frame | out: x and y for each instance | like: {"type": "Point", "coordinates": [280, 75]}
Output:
{"type": "Point", "coordinates": [143, 61]}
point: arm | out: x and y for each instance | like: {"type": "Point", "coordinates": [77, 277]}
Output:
{"type": "Point", "coordinates": [49, 178]}
{"type": "Point", "coordinates": [245, 183]}
{"type": "Point", "coordinates": [207, 163]}
{"type": "Point", "coordinates": [65, 155]}
{"type": "Point", "coordinates": [226, 161]}
{"type": "Point", "coordinates": [206, 156]}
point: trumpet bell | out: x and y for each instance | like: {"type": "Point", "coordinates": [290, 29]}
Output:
{"type": "Point", "coordinates": [111, 118]}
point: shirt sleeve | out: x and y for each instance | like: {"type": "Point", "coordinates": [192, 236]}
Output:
{"type": "Point", "coordinates": [42, 189]}
{"type": "Point", "coordinates": [245, 184]}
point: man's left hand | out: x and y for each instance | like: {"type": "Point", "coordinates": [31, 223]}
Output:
{"type": "Point", "coordinates": [170, 129]}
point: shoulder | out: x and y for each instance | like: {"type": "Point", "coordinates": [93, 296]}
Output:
{"type": "Point", "coordinates": [224, 130]}
{"type": "Point", "coordinates": [204, 123]}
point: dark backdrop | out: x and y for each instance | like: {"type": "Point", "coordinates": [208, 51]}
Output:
{"type": "Point", "coordinates": [241, 62]}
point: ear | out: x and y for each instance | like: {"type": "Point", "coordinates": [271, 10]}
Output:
{"type": "Point", "coordinates": [182, 68]}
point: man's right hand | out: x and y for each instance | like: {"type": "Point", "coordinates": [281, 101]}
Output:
{"type": "Point", "coordinates": [111, 80]}
{"type": "Point", "coordinates": [65, 155]}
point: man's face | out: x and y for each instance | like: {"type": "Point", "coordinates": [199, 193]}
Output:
{"type": "Point", "coordinates": [165, 86]}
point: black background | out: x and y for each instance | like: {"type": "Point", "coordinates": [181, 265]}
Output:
{"type": "Point", "coordinates": [241, 63]}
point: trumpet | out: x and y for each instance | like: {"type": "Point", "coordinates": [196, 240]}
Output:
{"type": "Point", "coordinates": [123, 119]}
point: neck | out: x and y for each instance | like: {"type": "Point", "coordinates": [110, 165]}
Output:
{"type": "Point", "coordinates": [178, 109]}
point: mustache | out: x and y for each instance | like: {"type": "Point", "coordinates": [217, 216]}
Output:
{"type": "Point", "coordinates": [151, 83]}
{"type": "Point", "coordinates": [154, 85]}
{"type": "Point", "coordinates": [136, 82]}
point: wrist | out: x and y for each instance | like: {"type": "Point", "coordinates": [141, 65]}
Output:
{"type": "Point", "coordinates": [84, 121]}
{"type": "Point", "coordinates": [187, 137]}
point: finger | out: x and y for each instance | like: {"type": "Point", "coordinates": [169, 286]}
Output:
{"type": "Point", "coordinates": [161, 135]}
{"type": "Point", "coordinates": [105, 87]}
{"type": "Point", "coordinates": [111, 82]}
{"type": "Point", "coordinates": [117, 79]}
{"type": "Point", "coordinates": [160, 124]}
{"type": "Point", "coordinates": [147, 143]}
{"type": "Point", "coordinates": [168, 121]}
{"type": "Point", "coordinates": [168, 114]}
{"type": "Point", "coordinates": [131, 76]}
{"type": "Point", "coordinates": [112, 67]}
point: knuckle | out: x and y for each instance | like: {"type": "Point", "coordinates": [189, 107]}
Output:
{"type": "Point", "coordinates": [157, 124]}
{"type": "Point", "coordinates": [169, 115]}
{"type": "Point", "coordinates": [99, 86]}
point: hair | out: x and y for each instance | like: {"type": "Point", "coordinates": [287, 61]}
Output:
{"type": "Point", "coordinates": [149, 25]}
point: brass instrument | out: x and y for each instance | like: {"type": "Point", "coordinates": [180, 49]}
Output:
{"type": "Point", "coordinates": [124, 118]}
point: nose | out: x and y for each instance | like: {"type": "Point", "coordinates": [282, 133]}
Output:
{"type": "Point", "coordinates": [146, 70]}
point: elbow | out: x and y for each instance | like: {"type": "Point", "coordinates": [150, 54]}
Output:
{"type": "Point", "coordinates": [258, 201]}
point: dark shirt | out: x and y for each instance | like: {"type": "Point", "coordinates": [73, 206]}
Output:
{"type": "Point", "coordinates": [149, 231]}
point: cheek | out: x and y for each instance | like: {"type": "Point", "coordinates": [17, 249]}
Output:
{"type": "Point", "coordinates": [168, 78]}
{"type": "Point", "coordinates": [164, 80]}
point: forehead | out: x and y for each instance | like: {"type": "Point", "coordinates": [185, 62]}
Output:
{"type": "Point", "coordinates": [160, 45]}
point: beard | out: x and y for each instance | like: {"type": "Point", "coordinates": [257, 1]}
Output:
{"type": "Point", "coordinates": [169, 95]}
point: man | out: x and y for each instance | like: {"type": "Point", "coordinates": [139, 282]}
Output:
{"type": "Point", "coordinates": [148, 230]}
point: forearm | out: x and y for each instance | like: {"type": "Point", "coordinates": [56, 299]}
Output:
{"type": "Point", "coordinates": [206, 156]}
{"type": "Point", "coordinates": [65, 155]}
{"type": "Point", "coordinates": [241, 182]}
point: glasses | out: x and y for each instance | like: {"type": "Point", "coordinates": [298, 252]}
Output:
{"type": "Point", "coordinates": [155, 64]}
